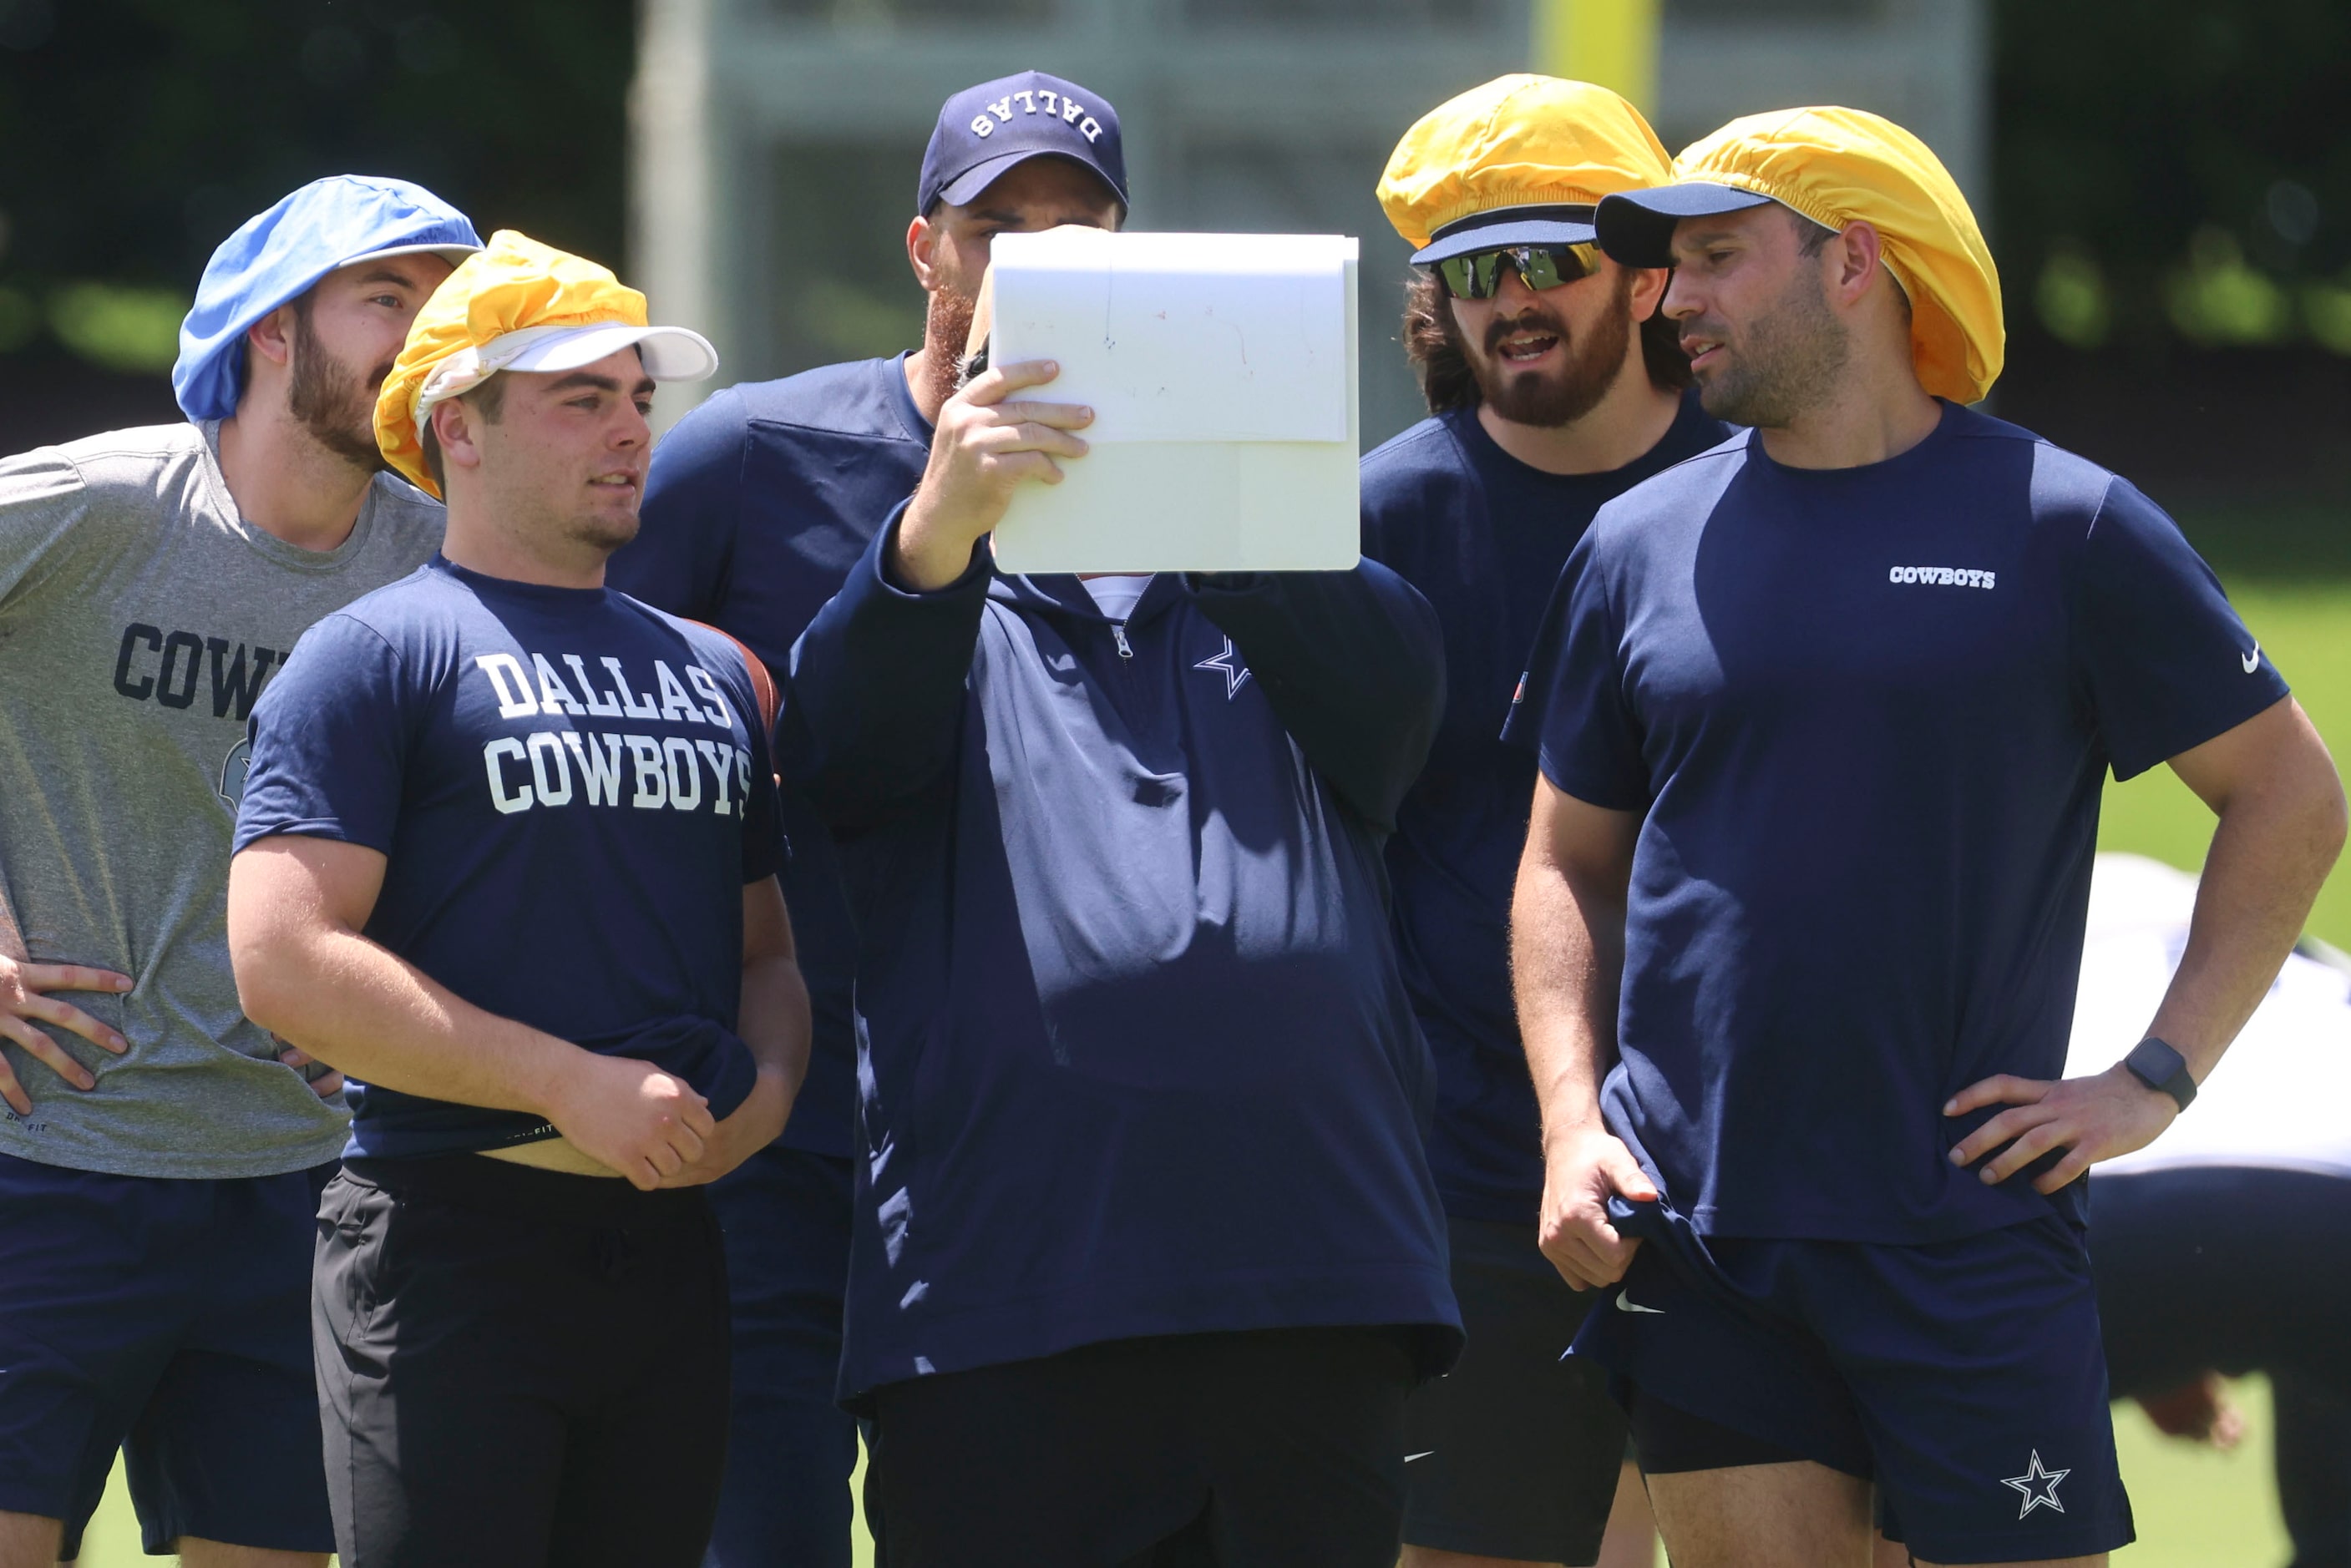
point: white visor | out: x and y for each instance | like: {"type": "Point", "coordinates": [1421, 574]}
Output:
{"type": "Point", "coordinates": [668, 353]}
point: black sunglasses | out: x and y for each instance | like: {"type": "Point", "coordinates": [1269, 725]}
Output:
{"type": "Point", "coordinates": [1478, 275]}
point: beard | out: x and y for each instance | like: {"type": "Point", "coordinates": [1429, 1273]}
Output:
{"type": "Point", "coordinates": [1589, 365]}
{"type": "Point", "coordinates": [333, 403]}
{"type": "Point", "coordinates": [1789, 361]}
{"type": "Point", "coordinates": [946, 326]}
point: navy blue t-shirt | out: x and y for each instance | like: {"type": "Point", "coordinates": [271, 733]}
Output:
{"type": "Point", "coordinates": [1867, 714]}
{"type": "Point", "coordinates": [755, 507]}
{"type": "Point", "coordinates": [571, 791]}
{"type": "Point", "coordinates": [1483, 536]}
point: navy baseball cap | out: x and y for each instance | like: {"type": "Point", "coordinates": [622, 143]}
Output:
{"type": "Point", "coordinates": [1636, 227]}
{"type": "Point", "coordinates": [985, 130]}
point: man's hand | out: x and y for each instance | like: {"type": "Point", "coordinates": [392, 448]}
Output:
{"type": "Point", "coordinates": [754, 1126]}
{"type": "Point", "coordinates": [24, 1000]}
{"type": "Point", "coordinates": [985, 447]}
{"type": "Point", "coordinates": [632, 1118]}
{"type": "Point", "coordinates": [326, 1084]}
{"type": "Point", "coordinates": [2091, 1119]}
{"type": "Point", "coordinates": [1582, 1166]}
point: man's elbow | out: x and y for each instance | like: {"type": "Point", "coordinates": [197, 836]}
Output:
{"type": "Point", "coordinates": [266, 993]}
{"type": "Point", "coordinates": [2330, 817]}
{"type": "Point", "coordinates": [265, 960]}
{"type": "Point", "coordinates": [2311, 797]}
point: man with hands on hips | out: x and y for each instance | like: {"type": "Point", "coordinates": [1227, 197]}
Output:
{"type": "Point", "coordinates": [1824, 717]}
{"type": "Point", "coordinates": [161, 1156]}
{"type": "Point", "coordinates": [507, 856]}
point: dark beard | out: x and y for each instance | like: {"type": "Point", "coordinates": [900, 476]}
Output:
{"type": "Point", "coordinates": [946, 326]}
{"type": "Point", "coordinates": [329, 399]}
{"type": "Point", "coordinates": [1789, 362]}
{"type": "Point", "coordinates": [1591, 365]}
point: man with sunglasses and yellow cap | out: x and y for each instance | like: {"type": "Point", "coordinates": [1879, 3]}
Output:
{"type": "Point", "coordinates": [507, 856]}
{"type": "Point", "coordinates": [1554, 385]}
{"type": "Point", "coordinates": [160, 1155]}
{"type": "Point", "coordinates": [1824, 717]}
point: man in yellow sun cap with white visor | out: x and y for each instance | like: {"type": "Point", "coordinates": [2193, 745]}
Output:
{"type": "Point", "coordinates": [507, 858]}
{"type": "Point", "coordinates": [1554, 385]}
{"type": "Point", "coordinates": [1823, 718]}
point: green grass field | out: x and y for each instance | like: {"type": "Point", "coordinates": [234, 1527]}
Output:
{"type": "Point", "coordinates": [2197, 1509]}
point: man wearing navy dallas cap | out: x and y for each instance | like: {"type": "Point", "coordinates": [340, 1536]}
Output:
{"type": "Point", "coordinates": [1823, 716]}
{"type": "Point", "coordinates": [1146, 1257]}
{"type": "Point", "coordinates": [755, 507]}
{"type": "Point", "coordinates": [160, 1155]}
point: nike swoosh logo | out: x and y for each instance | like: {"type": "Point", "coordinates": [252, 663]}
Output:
{"type": "Point", "coordinates": [1627, 1303]}
{"type": "Point", "coordinates": [2252, 661]}
{"type": "Point", "coordinates": [1422, 1455]}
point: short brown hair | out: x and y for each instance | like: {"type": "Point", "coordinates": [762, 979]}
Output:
{"type": "Point", "coordinates": [1446, 382]}
{"type": "Point", "coordinates": [490, 398]}
{"type": "Point", "coordinates": [1813, 238]}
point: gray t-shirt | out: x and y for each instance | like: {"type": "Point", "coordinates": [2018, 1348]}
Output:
{"type": "Point", "coordinates": [140, 616]}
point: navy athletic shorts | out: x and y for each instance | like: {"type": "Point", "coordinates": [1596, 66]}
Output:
{"type": "Point", "coordinates": [1515, 1452]}
{"type": "Point", "coordinates": [172, 1319]}
{"type": "Point", "coordinates": [789, 1447]}
{"type": "Point", "coordinates": [1964, 1377]}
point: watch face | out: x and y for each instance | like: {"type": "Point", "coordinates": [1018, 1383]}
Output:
{"type": "Point", "coordinates": [2159, 1066]}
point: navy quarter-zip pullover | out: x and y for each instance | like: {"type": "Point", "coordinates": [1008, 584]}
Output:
{"type": "Point", "coordinates": [1134, 1055]}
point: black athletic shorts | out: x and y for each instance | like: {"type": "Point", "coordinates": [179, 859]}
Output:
{"type": "Point", "coordinates": [1515, 1453]}
{"type": "Point", "coordinates": [517, 1366]}
{"type": "Point", "coordinates": [1270, 1446]}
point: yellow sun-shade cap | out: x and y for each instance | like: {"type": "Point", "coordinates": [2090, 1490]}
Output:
{"type": "Point", "coordinates": [518, 305]}
{"type": "Point", "coordinates": [1840, 166]}
{"type": "Point", "coordinates": [1521, 160]}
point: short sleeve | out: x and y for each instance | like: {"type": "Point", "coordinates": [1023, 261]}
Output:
{"type": "Point", "coordinates": [330, 740]}
{"type": "Point", "coordinates": [1571, 708]}
{"type": "Point", "coordinates": [42, 502]}
{"type": "Point", "coordinates": [684, 551]}
{"type": "Point", "coordinates": [2161, 656]}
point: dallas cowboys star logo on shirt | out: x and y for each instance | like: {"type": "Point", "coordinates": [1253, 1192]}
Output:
{"type": "Point", "coordinates": [2037, 1486]}
{"type": "Point", "coordinates": [1227, 664]}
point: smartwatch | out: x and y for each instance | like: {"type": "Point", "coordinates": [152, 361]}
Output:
{"type": "Point", "coordinates": [2159, 1066]}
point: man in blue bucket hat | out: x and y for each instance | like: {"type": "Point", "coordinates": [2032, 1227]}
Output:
{"type": "Point", "coordinates": [160, 1154]}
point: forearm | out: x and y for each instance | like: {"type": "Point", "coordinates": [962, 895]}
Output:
{"type": "Point", "coordinates": [774, 1019]}
{"type": "Point", "coordinates": [1567, 959]}
{"type": "Point", "coordinates": [373, 1016]}
{"type": "Point", "coordinates": [2270, 855]}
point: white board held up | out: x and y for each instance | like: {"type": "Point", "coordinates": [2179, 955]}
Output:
{"type": "Point", "coordinates": [1222, 370]}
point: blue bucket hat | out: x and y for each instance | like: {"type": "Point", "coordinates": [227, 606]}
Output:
{"type": "Point", "coordinates": [277, 255]}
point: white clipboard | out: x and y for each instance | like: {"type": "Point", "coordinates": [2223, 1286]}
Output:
{"type": "Point", "coordinates": [1222, 372]}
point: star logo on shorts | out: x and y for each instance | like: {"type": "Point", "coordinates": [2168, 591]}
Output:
{"type": "Point", "coordinates": [2036, 1486]}
{"type": "Point", "coordinates": [1227, 664]}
